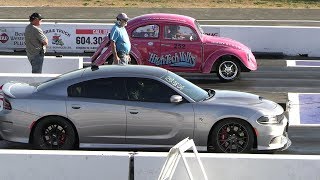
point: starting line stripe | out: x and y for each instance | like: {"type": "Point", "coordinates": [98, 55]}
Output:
{"type": "Point", "coordinates": [294, 110]}
{"type": "Point", "coordinates": [303, 63]}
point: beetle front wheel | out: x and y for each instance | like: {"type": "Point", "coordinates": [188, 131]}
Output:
{"type": "Point", "coordinates": [228, 70]}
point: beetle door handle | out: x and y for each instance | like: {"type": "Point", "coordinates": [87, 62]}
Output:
{"type": "Point", "coordinates": [167, 45]}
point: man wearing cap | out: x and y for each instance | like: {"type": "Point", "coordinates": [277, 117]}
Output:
{"type": "Point", "coordinates": [119, 41]}
{"type": "Point", "coordinates": [36, 42]}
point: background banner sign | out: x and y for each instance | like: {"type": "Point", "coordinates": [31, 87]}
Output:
{"type": "Point", "coordinates": [210, 30]}
{"type": "Point", "coordinates": [64, 37]}
{"type": "Point", "coordinates": [60, 37]}
{"type": "Point", "coordinates": [87, 38]}
{"type": "Point", "coordinates": [12, 37]}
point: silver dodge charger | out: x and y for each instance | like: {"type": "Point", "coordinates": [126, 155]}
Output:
{"type": "Point", "coordinates": [138, 106]}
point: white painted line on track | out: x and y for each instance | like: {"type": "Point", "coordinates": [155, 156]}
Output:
{"type": "Point", "coordinates": [294, 109]}
{"type": "Point", "coordinates": [307, 63]}
{"type": "Point", "coordinates": [291, 63]}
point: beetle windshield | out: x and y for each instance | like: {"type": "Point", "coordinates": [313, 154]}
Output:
{"type": "Point", "coordinates": [198, 27]}
{"type": "Point", "coordinates": [186, 87]}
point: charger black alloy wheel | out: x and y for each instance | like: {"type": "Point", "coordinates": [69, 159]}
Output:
{"type": "Point", "coordinates": [233, 136]}
{"type": "Point", "coordinates": [54, 133]}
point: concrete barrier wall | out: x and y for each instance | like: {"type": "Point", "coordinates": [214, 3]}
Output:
{"type": "Point", "coordinates": [51, 64]}
{"type": "Point", "coordinates": [101, 165]}
{"type": "Point", "coordinates": [289, 40]}
{"type": "Point", "coordinates": [78, 165]}
{"type": "Point", "coordinates": [147, 166]}
{"type": "Point", "coordinates": [63, 165]}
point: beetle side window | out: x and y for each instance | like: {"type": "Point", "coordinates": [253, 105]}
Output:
{"type": "Point", "coordinates": [107, 88]}
{"type": "Point", "coordinates": [176, 32]}
{"type": "Point", "coordinates": [148, 90]}
{"type": "Point", "coordinates": [148, 31]}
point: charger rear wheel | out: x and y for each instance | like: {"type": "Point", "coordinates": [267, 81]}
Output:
{"type": "Point", "coordinates": [54, 133]}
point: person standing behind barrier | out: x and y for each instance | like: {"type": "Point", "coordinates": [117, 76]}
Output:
{"type": "Point", "coordinates": [119, 41]}
{"type": "Point", "coordinates": [36, 42]}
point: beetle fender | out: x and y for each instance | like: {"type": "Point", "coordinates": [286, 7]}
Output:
{"type": "Point", "coordinates": [136, 55]}
{"type": "Point", "coordinates": [103, 53]}
{"type": "Point", "coordinates": [212, 58]}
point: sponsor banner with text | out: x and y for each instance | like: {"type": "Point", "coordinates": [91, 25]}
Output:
{"type": "Point", "coordinates": [64, 37]}
{"type": "Point", "coordinates": [12, 37]}
{"type": "Point", "coordinates": [59, 36]}
{"type": "Point", "coordinates": [87, 38]}
{"type": "Point", "coordinates": [211, 30]}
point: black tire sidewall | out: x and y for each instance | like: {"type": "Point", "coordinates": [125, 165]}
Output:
{"type": "Point", "coordinates": [44, 123]}
{"type": "Point", "coordinates": [246, 125]}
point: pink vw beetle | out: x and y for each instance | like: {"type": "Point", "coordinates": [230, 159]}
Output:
{"type": "Point", "coordinates": [177, 43]}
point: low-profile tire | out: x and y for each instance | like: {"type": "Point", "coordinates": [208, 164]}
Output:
{"type": "Point", "coordinates": [232, 136]}
{"type": "Point", "coordinates": [228, 70]}
{"type": "Point", "coordinates": [54, 133]}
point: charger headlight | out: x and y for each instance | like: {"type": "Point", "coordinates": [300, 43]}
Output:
{"type": "Point", "coordinates": [268, 120]}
